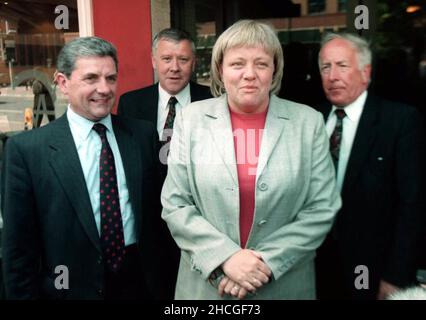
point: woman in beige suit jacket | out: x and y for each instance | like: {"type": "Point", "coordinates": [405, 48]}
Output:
{"type": "Point", "coordinates": [250, 191]}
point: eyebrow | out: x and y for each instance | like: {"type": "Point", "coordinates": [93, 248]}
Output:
{"type": "Point", "coordinates": [93, 74]}
{"type": "Point", "coordinates": [255, 59]}
{"type": "Point", "coordinates": [90, 74]}
{"type": "Point", "coordinates": [330, 62]}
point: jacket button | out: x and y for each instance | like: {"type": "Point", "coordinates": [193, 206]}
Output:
{"type": "Point", "coordinates": [263, 186]}
{"type": "Point", "coordinates": [100, 260]}
{"type": "Point", "coordinates": [101, 292]}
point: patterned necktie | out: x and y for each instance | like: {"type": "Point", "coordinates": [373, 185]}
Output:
{"type": "Point", "coordinates": [336, 137]}
{"type": "Point", "coordinates": [112, 236]}
{"type": "Point", "coordinates": [168, 126]}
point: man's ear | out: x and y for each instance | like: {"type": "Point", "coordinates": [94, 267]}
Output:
{"type": "Point", "coordinates": [366, 73]}
{"type": "Point", "coordinates": [194, 62]}
{"type": "Point", "coordinates": [153, 61]}
{"type": "Point", "coordinates": [62, 82]}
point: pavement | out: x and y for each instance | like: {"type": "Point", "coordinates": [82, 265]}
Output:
{"type": "Point", "coordinates": [16, 92]}
{"type": "Point", "coordinates": [23, 92]}
{"type": "Point", "coordinates": [13, 103]}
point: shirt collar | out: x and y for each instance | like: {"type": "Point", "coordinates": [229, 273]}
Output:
{"type": "Point", "coordinates": [353, 111]}
{"type": "Point", "coordinates": [84, 126]}
{"type": "Point", "coordinates": [183, 97]}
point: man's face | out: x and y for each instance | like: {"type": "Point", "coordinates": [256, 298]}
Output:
{"type": "Point", "coordinates": [342, 80]}
{"type": "Point", "coordinates": [91, 87]}
{"type": "Point", "coordinates": [174, 63]}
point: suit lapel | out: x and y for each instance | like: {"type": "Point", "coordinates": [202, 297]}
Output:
{"type": "Point", "coordinates": [196, 94]}
{"type": "Point", "coordinates": [132, 164]}
{"type": "Point", "coordinates": [65, 162]}
{"type": "Point", "coordinates": [221, 131]}
{"type": "Point", "coordinates": [152, 107]}
{"type": "Point", "coordinates": [193, 92]}
{"type": "Point", "coordinates": [219, 124]}
{"type": "Point", "coordinates": [274, 127]}
{"type": "Point", "coordinates": [364, 139]}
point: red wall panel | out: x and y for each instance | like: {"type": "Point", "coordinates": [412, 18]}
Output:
{"type": "Point", "coordinates": [127, 24]}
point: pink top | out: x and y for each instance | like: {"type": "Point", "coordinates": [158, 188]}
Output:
{"type": "Point", "coordinates": [247, 129]}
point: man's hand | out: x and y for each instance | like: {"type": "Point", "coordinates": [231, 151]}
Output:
{"type": "Point", "coordinates": [247, 269]}
{"type": "Point", "coordinates": [385, 289]}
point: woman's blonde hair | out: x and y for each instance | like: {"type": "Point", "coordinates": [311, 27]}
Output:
{"type": "Point", "coordinates": [246, 33]}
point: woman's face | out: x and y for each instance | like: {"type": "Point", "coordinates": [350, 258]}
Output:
{"type": "Point", "coordinates": [247, 75]}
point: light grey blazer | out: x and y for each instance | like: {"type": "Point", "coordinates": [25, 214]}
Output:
{"type": "Point", "coordinates": [295, 197]}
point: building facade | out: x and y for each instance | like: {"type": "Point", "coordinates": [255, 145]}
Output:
{"type": "Point", "coordinates": [32, 34]}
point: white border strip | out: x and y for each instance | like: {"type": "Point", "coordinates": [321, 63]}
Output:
{"type": "Point", "coordinates": [85, 18]}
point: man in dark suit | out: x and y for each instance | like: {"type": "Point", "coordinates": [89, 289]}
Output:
{"type": "Point", "coordinates": [79, 195]}
{"type": "Point", "coordinates": [173, 59]}
{"type": "Point", "coordinates": [378, 151]}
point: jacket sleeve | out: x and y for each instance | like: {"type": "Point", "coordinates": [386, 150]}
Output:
{"type": "Point", "coordinates": [295, 242]}
{"type": "Point", "coordinates": [410, 183]}
{"type": "Point", "coordinates": [120, 107]}
{"type": "Point", "coordinates": [21, 242]}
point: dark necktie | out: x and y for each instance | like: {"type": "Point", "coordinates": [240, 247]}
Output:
{"type": "Point", "coordinates": [168, 126]}
{"type": "Point", "coordinates": [112, 236]}
{"type": "Point", "coordinates": [336, 137]}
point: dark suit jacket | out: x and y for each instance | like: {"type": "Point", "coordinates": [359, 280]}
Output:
{"type": "Point", "coordinates": [381, 219]}
{"type": "Point", "coordinates": [143, 104]}
{"type": "Point", "coordinates": [48, 218]}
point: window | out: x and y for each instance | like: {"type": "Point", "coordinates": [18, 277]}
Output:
{"type": "Point", "coordinates": [398, 42]}
{"type": "Point", "coordinates": [342, 5]}
{"type": "Point", "coordinates": [30, 42]}
{"type": "Point", "coordinates": [199, 18]}
{"type": "Point", "coordinates": [316, 6]}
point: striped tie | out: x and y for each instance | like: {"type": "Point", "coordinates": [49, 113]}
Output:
{"type": "Point", "coordinates": [336, 137]}
{"type": "Point", "coordinates": [168, 126]}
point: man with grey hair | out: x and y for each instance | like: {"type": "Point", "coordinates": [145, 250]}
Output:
{"type": "Point", "coordinates": [80, 195]}
{"type": "Point", "coordinates": [173, 59]}
{"type": "Point", "coordinates": [377, 148]}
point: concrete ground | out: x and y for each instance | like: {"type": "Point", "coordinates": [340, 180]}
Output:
{"type": "Point", "coordinates": [13, 103]}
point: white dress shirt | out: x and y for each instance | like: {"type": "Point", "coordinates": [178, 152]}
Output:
{"type": "Point", "coordinates": [183, 99]}
{"type": "Point", "coordinates": [89, 145]}
{"type": "Point", "coordinates": [350, 124]}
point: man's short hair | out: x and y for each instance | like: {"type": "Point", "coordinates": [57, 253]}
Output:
{"type": "Point", "coordinates": [82, 48]}
{"type": "Point", "coordinates": [359, 44]}
{"type": "Point", "coordinates": [174, 35]}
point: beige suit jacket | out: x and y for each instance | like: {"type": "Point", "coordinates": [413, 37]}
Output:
{"type": "Point", "coordinates": [295, 197]}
